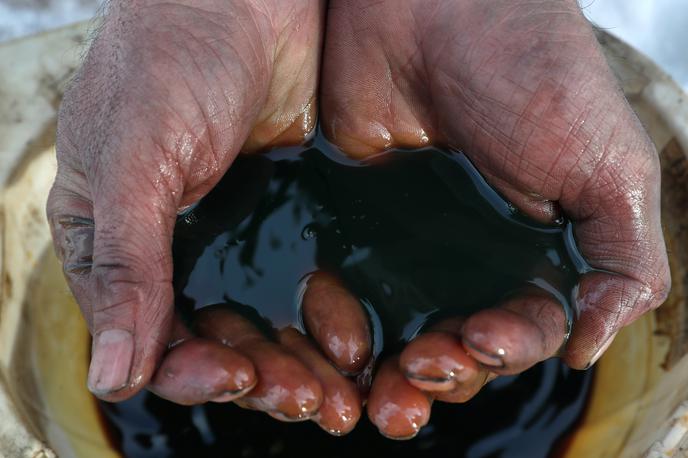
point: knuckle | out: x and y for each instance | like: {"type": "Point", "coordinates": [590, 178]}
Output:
{"type": "Point", "coordinates": [118, 281]}
{"type": "Point", "coordinates": [125, 293]}
{"type": "Point", "coordinates": [121, 310]}
{"type": "Point", "coordinates": [131, 257]}
{"type": "Point", "coordinates": [125, 260]}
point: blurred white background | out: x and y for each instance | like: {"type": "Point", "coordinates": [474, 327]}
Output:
{"type": "Point", "coordinates": [25, 17]}
{"type": "Point", "coordinates": [659, 28]}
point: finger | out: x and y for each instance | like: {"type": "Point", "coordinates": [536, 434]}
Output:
{"type": "Point", "coordinates": [606, 303]}
{"type": "Point", "coordinates": [398, 409]}
{"type": "Point", "coordinates": [286, 389]}
{"type": "Point", "coordinates": [337, 321]}
{"type": "Point", "coordinates": [618, 229]}
{"type": "Point", "coordinates": [198, 370]}
{"type": "Point", "coordinates": [519, 333]}
{"type": "Point", "coordinates": [364, 110]}
{"type": "Point", "coordinates": [341, 406]}
{"type": "Point", "coordinates": [117, 262]}
{"type": "Point", "coordinates": [437, 362]}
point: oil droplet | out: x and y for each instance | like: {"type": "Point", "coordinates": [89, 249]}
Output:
{"type": "Point", "coordinates": [191, 218]}
{"type": "Point", "coordinates": [309, 232]}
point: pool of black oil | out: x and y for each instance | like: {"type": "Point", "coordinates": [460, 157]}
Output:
{"type": "Point", "coordinates": [416, 236]}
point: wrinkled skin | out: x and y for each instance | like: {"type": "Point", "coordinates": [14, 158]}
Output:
{"type": "Point", "coordinates": [171, 91]}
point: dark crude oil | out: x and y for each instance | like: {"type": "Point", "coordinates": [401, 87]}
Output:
{"type": "Point", "coordinates": [415, 235]}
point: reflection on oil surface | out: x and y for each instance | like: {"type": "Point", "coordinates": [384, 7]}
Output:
{"type": "Point", "coordinates": [416, 235]}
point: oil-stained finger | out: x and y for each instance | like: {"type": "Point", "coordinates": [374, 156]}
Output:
{"type": "Point", "coordinates": [341, 406]}
{"type": "Point", "coordinates": [397, 408]}
{"type": "Point", "coordinates": [437, 362]}
{"type": "Point", "coordinates": [286, 389]}
{"type": "Point", "coordinates": [338, 322]}
{"type": "Point", "coordinates": [200, 370]}
{"type": "Point", "coordinates": [523, 331]}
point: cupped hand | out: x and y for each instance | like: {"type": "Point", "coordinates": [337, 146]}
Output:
{"type": "Point", "coordinates": [168, 94]}
{"type": "Point", "coordinates": [524, 90]}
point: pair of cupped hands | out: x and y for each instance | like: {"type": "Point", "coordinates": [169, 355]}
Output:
{"type": "Point", "coordinates": [170, 92]}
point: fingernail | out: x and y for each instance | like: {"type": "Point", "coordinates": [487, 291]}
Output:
{"type": "Point", "coordinates": [490, 360]}
{"type": "Point", "coordinates": [281, 416]}
{"type": "Point", "coordinates": [431, 383]}
{"type": "Point", "coordinates": [230, 395]}
{"type": "Point", "coordinates": [113, 353]}
{"type": "Point", "coordinates": [601, 350]}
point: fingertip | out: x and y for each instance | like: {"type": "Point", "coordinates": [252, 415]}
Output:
{"type": "Point", "coordinates": [521, 332]}
{"type": "Point", "coordinates": [583, 351]}
{"type": "Point", "coordinates": [398, 409]}
{"type": "Point", "coordinates": [338, 322]}
{"type": "Point", "coordinates": [198, 370]}
{"type": "Point", "coordinates": [341, 406]}
{"type": "Point", "coordinates": [605, 303]}
{"type": "Point", "coordinates": [437, 362]}
{"type": "Point", "coordinates": [286, 388]}
{"type": "Point", "coordinates": [111, 364]}
{"type": "Point", "coordinates": [491, 336]}
{"type": "Point", "coordinates": [502, 341]}
{"type": "Point", "coordinates": [603, 348]}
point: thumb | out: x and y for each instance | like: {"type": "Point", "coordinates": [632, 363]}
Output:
{"type": "Point", "coordinates": [131, 283]}
{"type": "Point", "coordinates": [117, 260]}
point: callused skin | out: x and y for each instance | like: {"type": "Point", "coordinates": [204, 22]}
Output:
{"type": "Point", "coordinates": [169, 93]}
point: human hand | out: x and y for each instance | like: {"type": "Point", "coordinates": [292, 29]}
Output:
{"type": "Point", "coordinates": [523, 89]}
{"type": "Point", "coordinates": [167, 96]}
